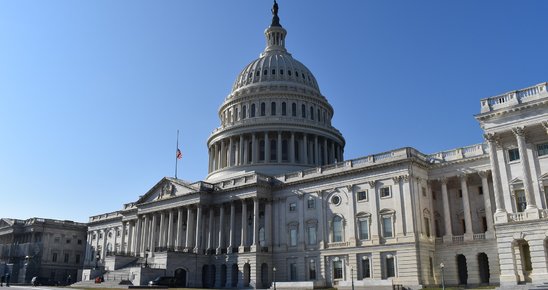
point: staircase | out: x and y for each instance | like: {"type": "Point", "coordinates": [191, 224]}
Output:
{"type": "Point", "coordinates": [112, 279]}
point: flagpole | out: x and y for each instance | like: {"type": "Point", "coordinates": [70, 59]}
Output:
{"type": "Point", "coordinates": [176, 157]}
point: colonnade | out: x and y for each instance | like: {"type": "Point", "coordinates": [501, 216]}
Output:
{"type": "Point", "coordinates": [274, 147]}
{"type": "Point", "coordinates": [184, 229]}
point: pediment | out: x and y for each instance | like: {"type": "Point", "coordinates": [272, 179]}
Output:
{"type": "Point", "coordinates": [5, 223]}
{"type": "Point", "coordinates": [544, 176]}
{"type": "Point", "coordinates": [516, 181]}
{"type": "Point", "coordinates": [167, 188]}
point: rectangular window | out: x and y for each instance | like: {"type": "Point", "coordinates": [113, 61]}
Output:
{"type": "Point", "coordinates": [312, 270]}
{"type": "Point", "coordinates": [363, 224]}
{"type": "Point", "coordinates": [293, 237]}
{"type": "Point", "coordinates": [480, 190]}
{"type": "Point", "coordinates": [362, 195]}
{"type": "Point", "coordinates": [293, 271]}
{"type": "Point", "coordinates": [79, 242]}
{"type": "Point", "coordinates": [387, 227]}
{"type": "Point", "coordinates": [460, 193]}
{"type": "Point", "coordinates": [66, 258]}
{"type": "Point", "coordinates": [311, 203]}
{"type": "Point", "coordinates": [77, 259]}
{"type": "Point", "coordinates": [542, 149]}
{"type": "Point", "coordinates": [337, 270]}
{"type": "Point", "coordinates": [312, 235]}
{"type": "Point", "coordinates": [427, 226]}
{"type": "Point", "coordinates": [521, 202]}
{"type": "Point", "coordinates": [390, 267]}
{"type": "Point", "coordinates": [484, 223]}
{"type": "Point", "coordinates": [293, 206]}
{"type": "Point", "coordinates": [54, 257]}
{"type": "Point", "coordinates": [366, 268]}
{"type": "Point", "coordinates": [513, 154]}
{"type": "Point", "coordinates": [385, 191]}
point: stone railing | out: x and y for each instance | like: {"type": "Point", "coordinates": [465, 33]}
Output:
{"type": "Point", "coordinates": [458, 239]}
{"type": "Point", "coordinates": [543, 213]}
{"type": "Point", "coordinates": [516, 217]}
{"type": "Point", "coordinates": [106, 216]}
{"type": "Point", "coordinates": [459, 153]}
{"type": "Point", "coordinates": [514, 98]}
{"type": "Point", "coordinates": [479, 236]}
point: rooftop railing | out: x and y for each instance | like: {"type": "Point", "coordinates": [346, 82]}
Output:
{"type": "Point", "coordinates": [514, 98]}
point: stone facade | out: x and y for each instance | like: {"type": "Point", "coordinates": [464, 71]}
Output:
{"type": "Point", "coordinates": [281, 204]}
{"type": "Point", "coordinates": [51, 249]}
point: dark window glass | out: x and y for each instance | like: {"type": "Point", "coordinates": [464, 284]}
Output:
{"type": "Point", "coordinates": [303, 111]}
{"type": "Point", "coordinates": [273, 150]}
{"type": "Point", "coordinates": [542, 149]}
{"type": "Point", "coordinates": [244, 112]}
{"type": "Point", "coordinates": [273, 109]}
{"type": "Point", "coordinates": [311, 113]}
{"type": "Point", "coordinates": [252, 112]}
{"type": "Point", "coordinates": [284, 109]}
{"type": "Point", "coordinates": [294, 110]}
{"type": "Point", "coordinates": [513, 154]}
{"type": "Point", "coordinates": [263, 109]}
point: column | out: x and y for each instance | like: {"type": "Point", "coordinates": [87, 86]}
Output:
{"type": "Point", "coordinates": [266, 148]}
{"type": "Point", "coordinates": [241, 150]}
{"type": "Point", "coordinates": [105, 236]}
{"type": "Point", "coordinates": [487, 201]}
{"type": "Point", "coordinates": [221, 229]}
{"type": "Point", "coordinates": [230, 152]}
{"type": "Point", "coordinates": [268, 224]}
{"type": "Point", "coordinates": [246, 153]}
{"type": "Point", "coordinates": [179, 231]}
{"type": "Point", "coordinates": [244, 226]}
{"type": "Point", "coordinates": [292, 148]}
{"type": "Point", "coordinates": [448, 237]}
{"type": "Point", "coordinates": [188, 238]}
{"type": "Point", "coordinates": [170, 230]}
{"type": "Point", "coordinates": [333, 158]}
{"type": "Point", "coordinates": [519, 132]}
{"type": "Point", "coordinates": [255, 224]}
{"type": "Point", "coordinates": [143, 235]}
{"type": "Point", "coordinates": [232, 225]}
{"type": "Point", "coordinates": [316, 151]}
{"type": "Point", "coordinates": [123, 238]}
{"type": "Point", "coordinates": [211, 230]}
{"type": "Point", "coordinates": [223, 155]}
{"type": "Point", "coordinates": [198, 245]}
{"type": "Point", "coordinates": [500, 211]}
{"type": "Point", "coordinates": [153, 234]}
{"type": "Point", "coordinates": [253, 149]}
{"type": "Point", "coordinates": [325, 155]}
{"type": "Point", "coordinates": [162, 231]}
{"type": "Point", "coordinates": [396, 194]}
{"type": "Point", "coordinates": [279, 147]}
{"type": "Point", "coordinates": [209, 160]}
{"type": "Point", "coordinates": [305, 149]}
{"type": "Point", "coordinates": [466, 208]}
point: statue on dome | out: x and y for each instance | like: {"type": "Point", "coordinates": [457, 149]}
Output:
{"type": "Point", "coordinates": [275, 18]}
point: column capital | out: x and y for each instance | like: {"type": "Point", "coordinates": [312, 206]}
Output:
{"type": "Point", "coordinates": [519, 131]}
{"type": "Point", "coordinates": [545, 126]}
{"type": "Point", "coordinates": [396, 179]}
{"type": "Point", "coordinates": [463, 177]}
{"type": "Point", "coordinates": [443, 180]}
{"type": "Point", "coordinates": [484, 173]}
{"type": "Point", "coordinates": [372, 183]}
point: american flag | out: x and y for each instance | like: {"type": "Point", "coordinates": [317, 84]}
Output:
{"type": "Point", "coordinates": [179, 154]}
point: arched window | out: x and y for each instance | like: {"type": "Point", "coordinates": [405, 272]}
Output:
{"type": "Point", "coordinates": [273, 150]}
{"type": "Point", "coordinates": [236, 117]}
{"type": "Point", "coordinates": [337, 229]}
{"type": "Point", "coordinates": [273, 109]}
{"type": "Point", "coordinates": [244, 113]}
{"type": "Point", "coordinates": [303, 111]}
{"type": "Point", "coordinates": [284, 109]}
{"type": "Point", "coordinates": [263, 109]}
{"type": "Point", "coordinates": [261, 150]}
{"type": "Point", "coordinates": [294, 110]}
{"type": "Point", "coordinates": [284, 150]}
{"type": "Point", "coordinates": [252, 112]}
{"type": "Point", "coordinates": [319, 115]}
{"type": "Point", "coordinates": [311, 113]}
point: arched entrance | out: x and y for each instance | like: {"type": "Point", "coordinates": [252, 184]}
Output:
{"type": "Point", "coordinates": [234, 275]}
{"type": "Point", "coordinates": [522, 260]}
{"type": "Point", "coordinates": [462, 269]}
{"type": "Point", "coordinates": [180, 277]}
{"type": "Point", "coordinates": [483, 264]}
{"type": "Point", "coordinates": [264, 275]}
{"type": "Point", "coordinates": [247, 274]}
{"type": "Point", "coordinates": [223, 275]}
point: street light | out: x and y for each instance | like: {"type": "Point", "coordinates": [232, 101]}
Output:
{"type": "Point", "coordinates": [274, 274]}
{"type": "Point", "coordinates": [442, 276]}
{"type": "Point", "coordinates": [97, 257]}
{"type": "Point", "coordinates": [352, 275]}
{"type": "Point", "coordinates": [146, 257]}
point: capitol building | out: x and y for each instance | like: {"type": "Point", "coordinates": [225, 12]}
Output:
{"type": "Point", "coordinates": [281, 204]}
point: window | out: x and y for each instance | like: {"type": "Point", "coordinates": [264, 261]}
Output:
{"type": "Point", "coordinates": [311, 113]}
{"type": "Point", "coordinates": [460, 193]}
{"type": "Point", "coordinates": [521, 202]}
{"type": "Point", "coordinates": [427, 226]}
{"type": "Point", "coordinates": [273, 150]}
{"type": "Point", "coordinates": [68, 241]}
{"type": "Point", "coordinates": [273, 109]}
{"type": "Point", "coordinates": [293, 206]}
{"type": "Point", "coordinates": [363, 228]}
{"type": "Point", "coordinates": [265, 72]}
{"type": "Point", "coordinates": [362, 195]}
{"type": "Point", "coordinates": [293, 237]}
{"type": "Point", "coordinates": [480, 190]}
{"type": "Point", "coordinates": [318, 115]}
{"type": "Point", "coordinates": [294, 110]}
{"type": "Point", "coordinates": [258, 73]}
{"type": "Point", "coordinates": [263, 109]}
{"type": "Point", "coordinates": [79, 242]}
{"type": "Point", "coordinates": [252, 112]}
{"type": "Point", "coordinates": [311, 203]}
{"type": "Point", "coordinates": [513, 154]}
{"type": "Point", "coordinates": [337, 229]}
{"type": "Point", "coordinates": [366, 267]}
{"type": "Point", "coordinates": [273, 71]}
{"type": "Point", "coordinates": [57, 239]}
{"type": "Point", "coordinates": [423, 191]}
{"type": "Point", "coordinates": [387, 226]}
{"type": "Point", "coordinates": [296, 73]}
{"type": "Point", "coordinates": [390, 266]}
{"type": "Point", "coordinates": [542, 149]}
{"type": "Point", "coordinates": [303, 111]}
{"type": "Point", "coordinates": [281, 71]}
{"type": "Point", "coordinates": [337, 269]}
{"type": "Point", "coordinates": [312, 270]}
{"type": "Point", "coordinates": [284, 109]}
{"type": "Point", "coordinates": [284, 150]}
{"type": "Point", "coordinates": [293, 271]}
{"type": "Point", "coordinates": [431, 266]}
{"type": "Point", "coordinates": [66, 258]}
{"type": "Point", "coordinates": [77, 259]}
{"type": "Point", "coordinates": [110, 234]}
{"type": "Point", "coordinates": [289, 72]}
{"type": "Point", "coordinates": [312, 237]}
{"type": "Point", "coordinates": [385, 192]}
{"type": "Point", "coordinates": [244, 113]}
{"type": "Point", "coordinates": [54, 257]}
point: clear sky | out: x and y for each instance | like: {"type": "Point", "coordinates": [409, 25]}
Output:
{"type": "Point", "coordinates": [92, 92]}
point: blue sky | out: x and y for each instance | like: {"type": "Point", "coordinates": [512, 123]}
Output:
{"type": "Point", "coordinates": [92, 92]}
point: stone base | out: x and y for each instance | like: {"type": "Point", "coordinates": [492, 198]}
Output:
{"type": "Point", "coordinates": [531, 214]}
{"type": "Point", "coordinates": [501, 217]}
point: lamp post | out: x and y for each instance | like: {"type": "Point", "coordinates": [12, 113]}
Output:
{"type": "Point", "coordinates": [442, 266]}
{"type": "Point", "coordinates": [97, 257]}
{"type": "Point", "coordinates": [274, 274]}
{"type": "Point", "coordinates": [146, 257]}
{"type": "Point", "coordinates": [352, 276]}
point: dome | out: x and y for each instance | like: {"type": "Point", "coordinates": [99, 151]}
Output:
{"type": "Point", "coordinates": [275, 67]}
